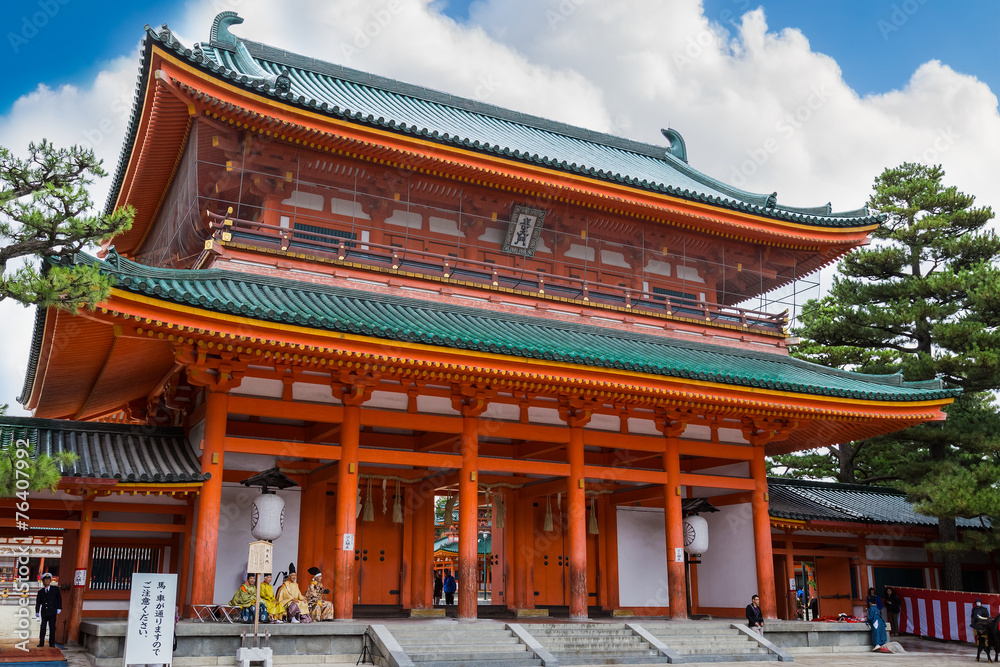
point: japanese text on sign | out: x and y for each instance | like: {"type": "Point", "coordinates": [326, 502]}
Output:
{"type": "Point", "coordinates": [151, 619]}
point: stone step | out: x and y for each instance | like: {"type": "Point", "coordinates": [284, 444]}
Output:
{"type": "Point", "coordinates": [715, 657]}
{"type": "Point", "coordinates": [457, 656]}
{"type": "Point", "coordinates": [750, 650]}
{"type": "Point", "coordinates": [526, 662]}
{"type": "Point", "coordinates": [428, 647]}
{"type": "Point", "coordinates": [673, 629]}
{"type": "Point", "coordinates": [450, 630]}
{"type": "Point", "coordinates": [612, 660]}
{"type": "Point", "coordinates": [707, 640]}
{"type": "Point", "coordinates": [577, 626]}
{"type": "Point", "coordinates": [582, 646]}
{"type": "Point", "coordinates": [578, 632]}
{"type": "Point", "coordinates": [570, 657]}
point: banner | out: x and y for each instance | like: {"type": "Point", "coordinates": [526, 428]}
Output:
{"type": "Point", "coordinates": [151, 609]}
{"type": "Point", "coordinates": [941, 614]}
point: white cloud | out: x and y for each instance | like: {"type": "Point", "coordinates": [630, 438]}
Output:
{"type": "Point", "coordinates": [757, 108]}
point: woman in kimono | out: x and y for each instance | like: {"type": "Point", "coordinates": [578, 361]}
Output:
{"type": "Point", "coordinates": [274, 608]}
{"type": "Point", "coordinates": [319, 609]}
{"type": "Point", "coordinates": [875, 622]}
{"type": "Point", "coordinates": [290, 597]}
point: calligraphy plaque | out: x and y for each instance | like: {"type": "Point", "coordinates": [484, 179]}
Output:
{"type": "Point", "coordinates": [151, 609]}
{"type": "Point", "coordinates": [259, 560]}
{"type": "Point", "coordinates": [523, 231]}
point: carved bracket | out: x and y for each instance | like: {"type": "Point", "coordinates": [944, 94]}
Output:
{"type": "Point", "coordinates": [761, 431]}
{"type": "Point", "coordinates": [355, 387]}
{"type": "Point", "coordinates": [671, 423]}
{"type": "Point", "coordinates": [471, 400]}
{"type": "Point", "coordinates": [577, 411]}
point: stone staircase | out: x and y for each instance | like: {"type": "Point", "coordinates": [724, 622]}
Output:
{"type": "Point", "coordinates": [474, 645]}
{"type": "Point", "coordinates": [594, 643]}
{"type": "Point", "coordinates": [707, 642]}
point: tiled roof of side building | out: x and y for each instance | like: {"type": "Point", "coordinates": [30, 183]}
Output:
{"type": "Point", "coordinates": [131, 454]}
{"type": "Point", "coordinates": [364, 98]}
{"type": "Point", "coordinates": [850, 503]}
{"type": "Point", "coordinates": [469, 328]}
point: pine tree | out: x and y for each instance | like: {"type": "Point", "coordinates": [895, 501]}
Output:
{"type": "Point", "coordinates": [45, 212]}
{"type": "Point", "coordinates": [923, 300]}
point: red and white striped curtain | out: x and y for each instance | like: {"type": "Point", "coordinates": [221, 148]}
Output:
{"type": "Point", "coordinates": [941, 614]}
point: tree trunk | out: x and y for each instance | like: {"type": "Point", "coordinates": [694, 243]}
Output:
{"type": "Point", "coordinates": [845, 455]}
{"type": "Point", "coordinates": [952, 565]}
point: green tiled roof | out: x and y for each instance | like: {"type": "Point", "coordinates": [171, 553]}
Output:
{"type": "Point", "coordinates": [367, 99]}
{"type": "Point", "coordinates": [451, 546]}
{"type": "Point", "coordinates": [110, 451]}
{"type": "Point", "coordinates": [452, 326]}
{"type": "Point", "coordinates": [852, 503]}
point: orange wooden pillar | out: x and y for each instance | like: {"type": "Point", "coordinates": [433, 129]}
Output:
{"type": "Point", "coordinates": [347, 502]}
{"type": "Point", "coordinates": [762, 534]}
{"type": "Point", "coordinates": [673, 514]}
{"type": "Point", "coordinates": [789, 574]}
{"type": "Point", "coordinates": [420, 511]}
{"type": "Point", "coordinates": [210, 498]}
{"type": "Point", "coordinates": [184, 561]}
{"type": "Point", "coordinates": [577, 518]}
{"type": "Point", "coordinates": [82, 561]}
{"type": "Point", "coordinates": [468, 516]}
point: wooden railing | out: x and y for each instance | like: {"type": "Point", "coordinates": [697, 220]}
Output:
{"type": "Point", "coordinates": [521, 279]}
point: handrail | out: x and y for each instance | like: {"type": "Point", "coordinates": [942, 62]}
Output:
{"type": "Point", "coordinates": [540, 282]}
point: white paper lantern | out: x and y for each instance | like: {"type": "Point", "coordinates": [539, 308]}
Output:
{"type": "Point", "coordinates": [695, 535]}
{"type": "Point", "coordinates": [267, 517]}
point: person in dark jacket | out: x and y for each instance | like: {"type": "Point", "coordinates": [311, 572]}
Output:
{"type": "Point", "coordinates": [892, 603]}
{"type": "Point", "coordinates": [450, 586]}
{"type": "Point", "coordinates": [48, 604]}
{"type": "Point", "coordinates": [755, 617]}
{"type": "Point", "coordinates": [874, 600]}
{"type": "Point", "coordinates": [438, 587]}
{"type": "Point", "coordinates": [979, 621]}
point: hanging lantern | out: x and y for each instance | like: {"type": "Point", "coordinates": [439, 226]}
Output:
{"type": "Point", "coordinates": [695, 535]}
{"type": "Point", "coordinates": [267, 517]}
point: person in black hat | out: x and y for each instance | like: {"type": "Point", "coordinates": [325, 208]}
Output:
{"type": "Point", "coordinates": [319, 609]}
{"type": "Point", "coordinates": [48, 604]}
{"type": "Point", "coordinates": [979, 621]}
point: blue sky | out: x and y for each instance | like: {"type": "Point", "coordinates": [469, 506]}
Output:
{"type": "Point", "coordinates": [877, 43]}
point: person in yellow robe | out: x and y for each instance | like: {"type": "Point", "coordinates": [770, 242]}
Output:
{"type": "Point", "coordinates": [291, 598]}
{"type": "Point", "coordinates": [275, 609]}
{"type": "Point", "coordinates": [319, 609]}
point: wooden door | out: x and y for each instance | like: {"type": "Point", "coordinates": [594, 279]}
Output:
{"type": "Point", "coordinates": [378, 552]}
{"type": "Point", "coordinates": [550, 564]}
{"type": "Point", "coordinates": [833, 584]}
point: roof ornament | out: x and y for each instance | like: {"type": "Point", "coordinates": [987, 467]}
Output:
{"type": "Point", "coordinates": [677, 146]}
{"type": "Point", "coordinates": [165, 34]}
{"type": "Point", "coordinates": [283, 83]}
{"type": "Point", "coordinates": [113, 259]}
{"type": "Point", "coordinates": [220, 35]}
{"type": "Point", "coordinates": [772, 200]}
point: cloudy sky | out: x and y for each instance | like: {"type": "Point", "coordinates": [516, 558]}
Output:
{"type": "Point", "coordinates": [809, 99]}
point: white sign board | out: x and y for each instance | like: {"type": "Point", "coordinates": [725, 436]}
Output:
{"type": "Point", "coordinates": [791, 583]}
{"type": "Point", "coordinates": [348, 542]}
{"type": "Point", "coordinates": [151, 610]}
{"type": "Point", "coordinates": [678, 554]}
{"type": "Point", "coordinates": [260, 558]}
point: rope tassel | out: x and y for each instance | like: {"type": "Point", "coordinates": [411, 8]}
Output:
{"type": "Point", "coordinates": [449, 514]}
{"type": "Point", "coordinates": [592, 527]}
{"type": "Point", "coordinates": [385, 499]}
{"type": "Point", "coordinates": [547, 523]}
{"type": "Point", "coordinates": [501, 510]}
{"type": "Point", "coordinates": [357, 504]}
{"type": "Point", "coordinates": [397, 506]}
{"type": "Point", "coordinates": [369, 513]}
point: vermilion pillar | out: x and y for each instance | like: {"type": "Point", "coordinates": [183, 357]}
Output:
{"type": "Point", "coordinates": [209, 499]}
{"type": "Point", "coordinates": [789, 574]}
{"type": "Point", "coordinates": [82, 560]}
{"type": "Point", "coordinates": [674, 517]}
{"type": "Point", "coordinates": [347, 503]}
{"type": "Point", "coordinates": [468, 518]}
{"type": "Point", "coordinates": [762, 534]}
{"type": "Point", "coordinates": [577, 520]}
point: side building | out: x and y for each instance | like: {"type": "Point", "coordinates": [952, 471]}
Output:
{"type": "Point", "coordinates": [395, 295]}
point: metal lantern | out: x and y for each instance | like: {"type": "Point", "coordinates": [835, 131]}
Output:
{"type": "Point", "coordinates": [267, 517]}
{"type": "Point", "coordinates": [695, 535]}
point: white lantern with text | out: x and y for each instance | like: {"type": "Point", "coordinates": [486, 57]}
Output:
{"type": "Point", "coordinates": [695, 535]}
{"type": "Point", "coordinates": [267, 517]}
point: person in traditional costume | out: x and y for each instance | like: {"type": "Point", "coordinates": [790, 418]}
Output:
{"type": "Point", "coordinates": [319, 609]}
{"type": "Point", "coordinates": [275, 609]}
{"type": "Point", "coordinates": [290, 597]}
{"type": "Point", "coordinates": [246, 596]}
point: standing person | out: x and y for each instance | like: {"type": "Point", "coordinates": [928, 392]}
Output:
{"type": "Point", "coordinates": [438, 587]}
{"type": "Point", "coordinates": [891, 609]}
{"type": "Point", "coordinates": [874, 599]}
{"type": "Point", "coordinates": [874, 620]}
{"type": "Point", "coordinates": [755, 617]}
{"type": "Point", "coordinates": [48, 604]}
{"type": "Point", "coordinates": [449, 586]}
{"type": "Point", "coordinates": [979, 621]}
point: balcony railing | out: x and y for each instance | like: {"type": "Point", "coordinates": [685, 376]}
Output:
{"type": "Point", "coordinates": [334, 245]}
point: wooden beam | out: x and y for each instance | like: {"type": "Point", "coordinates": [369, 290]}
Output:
{"type": "Point", "coordinates": [534, 449]}
{"type": "Point", "coordinates": [717, 481]}
{"type": "Point", "coordinates": [282, 449]}
{"type": "Point", "coordinates": [321, 432]}
{"type": "Point", "coordinates": [640, 494]}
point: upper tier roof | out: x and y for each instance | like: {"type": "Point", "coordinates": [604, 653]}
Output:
{"type": "Point", "coordinates": [446, 325]}
{"type": "Point", "coordinates": [367, 99]}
